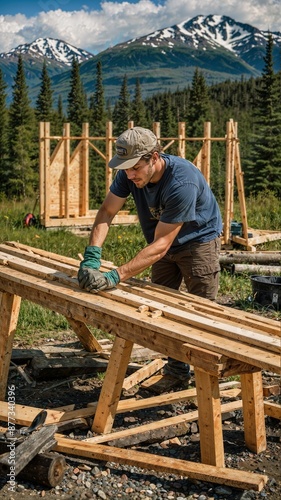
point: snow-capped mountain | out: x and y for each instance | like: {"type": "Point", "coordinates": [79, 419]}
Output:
{"type": "Point", "coordinates": [56, 50]}
{"type": "Point", "coordinates": [212, 31]}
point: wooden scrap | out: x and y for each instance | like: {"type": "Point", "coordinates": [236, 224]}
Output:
{"type": "Point", "coordinates": [152, 435]}
{"type": "Point", "coordinates": [271, 389]}
{"type": "Point", "coordinates": [161, 383]}
{"type": "Point", "coordinates": [144, 372]}
{"type": "Point", "coordinates": [29, 448]}
{"type": "Point", "coordinates": [55, 368]}
{"type": "Point", "coordinates": [46, 469]}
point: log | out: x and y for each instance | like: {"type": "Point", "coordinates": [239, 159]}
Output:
{"type": "Point", "coordinates": [251, 257]}
{"type": "Point", "coordinates": [255, 269]}
{"type": "Point", "coordinates": [46, 469]}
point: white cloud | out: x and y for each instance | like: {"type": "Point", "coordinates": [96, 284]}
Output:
{"type": "Point", "coordinates": [95, 30]}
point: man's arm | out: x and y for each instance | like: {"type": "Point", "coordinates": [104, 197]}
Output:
{"type": "Point", "coordinates": [109, 208]}
{"type": "Point", "coordinates": [163, 239]}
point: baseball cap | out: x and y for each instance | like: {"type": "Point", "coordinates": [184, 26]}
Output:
{"type": "Point", "coordinates": [131, 145]}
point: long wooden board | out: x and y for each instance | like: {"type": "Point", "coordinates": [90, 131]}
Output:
{"type": "Point", "coordinates": [201, 472]}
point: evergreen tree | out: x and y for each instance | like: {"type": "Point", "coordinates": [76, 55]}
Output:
{"type": "Point", "coordinates": [21, 175]}
{"type": "Point", "coordinates": [77, 111]}
{"type": "Point", "coordinates": [44, 101]}
{"type": "Point", "coordinates": [97, 122]}
{"type": "Point", "coordinates": [3, 130]}
{"type": "Point", "coordinates": [167, 121]}
{"type": "Point", "coordinates": [58, 118]}
{"type": "Point", "coordinates": [121, 112]}
{"type": "Point", "coordinates": [264, 167]}
{"type": "Point", "coordinates": [138, 113]}
{"type": "Point", "coordinates": [97, 115]}
{"type": "Point", "coordinates": [199, 106]}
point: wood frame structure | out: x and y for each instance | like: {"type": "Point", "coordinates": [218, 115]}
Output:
{"type": "Point", "coordinates": [64, 177]}
{"type": "Point", "coordinates": [218, 342]}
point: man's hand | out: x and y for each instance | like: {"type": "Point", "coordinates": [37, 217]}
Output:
{"type": "Point", "coordinates": [92, 256]}
{"type": "Point", "coordinates": [95, 281]}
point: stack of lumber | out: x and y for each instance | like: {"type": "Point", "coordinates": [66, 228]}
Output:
{"type": "Point", "coordinates": [153, 316]}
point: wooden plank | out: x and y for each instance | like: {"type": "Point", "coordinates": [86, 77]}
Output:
{"type": "Point", "coordinates": [182, 301]}
{"type": "Point", "coordinates": [253, 411]}
{"type": "Point", "coordinates": [143, 373]}
{"type": "Point", "coordinates": [87, 339]}
{"type": "Point", "coordinates": [202, 472]}
{"type": "Point", "coordinates": [209, 417]}
{"type": "Point", "coordinates": [272, 409]}
{"type": "Point", "coordinates": [10, 306]}
{"type": "Point", "coordinates": [112, 385]}
{"type": "Point", "coordinates": [166, 399]}
{"type": "Point", "coordinates": [101, 312]}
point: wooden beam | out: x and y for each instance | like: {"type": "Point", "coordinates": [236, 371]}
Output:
{"type": "Point", "coordinates": [201, 472]}
{"type": "Point", "coordinates": [112, 385]}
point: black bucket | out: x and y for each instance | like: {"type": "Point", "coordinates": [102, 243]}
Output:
{"type": "Point", "coordinates": [267, 290]}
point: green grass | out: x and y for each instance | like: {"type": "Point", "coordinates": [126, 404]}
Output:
{"type": "Point", "coordinates": [122, 244]}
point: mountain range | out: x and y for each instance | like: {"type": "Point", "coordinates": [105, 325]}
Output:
{"type": "Point", "coordinates": [220, 47]}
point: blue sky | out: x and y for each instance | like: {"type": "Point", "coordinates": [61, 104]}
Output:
{"type": "Point", "coordinates": [95, 26]}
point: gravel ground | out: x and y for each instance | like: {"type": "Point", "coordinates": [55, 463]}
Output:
{"type": "Point", "coordinates": [90, 479]}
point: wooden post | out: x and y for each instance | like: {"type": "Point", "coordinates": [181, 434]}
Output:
{"type": "Point", "coordinates": [206, 152]}
{"type": "Point", "coordinates": [112, 386]}
{"type": "Point", "coordinates": [232, 169]}
{"type": "Point", "coordinates": [253, 411]}
{"type": "Point", "coordinates": [108, 154]}
{"type": "Point", "coordinates": [156, 130]}
{"type": "Point", "coordinates": [228, 186]}
{"type": "Point", "coordinates": [47, 173]}
{"type": "Point", "coordinates": [10, 306]}
{"type": "Point", "coordinates": [84, 178]}
{"type": "Point", "coordinates": [65, 199]}
{"type": "Point", "coordinates": [42, 170]}
{"type": "Point", "coordinates": [240, 187]}
{"type": "Point", "coordinates": [209, 418]}
{"type": "Point", "coordinates": [181, 145]}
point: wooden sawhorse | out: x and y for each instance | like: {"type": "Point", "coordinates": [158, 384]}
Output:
{"type": "Point", "coordinates": [208, 368]}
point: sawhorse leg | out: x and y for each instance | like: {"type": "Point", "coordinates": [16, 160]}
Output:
{"type": "Point", "coordinates": [253, 411]}
{"type": "Point", "coordinates": [9, 311]}
{"type": "Point", "coordinates": [112, 386]}
{"type": "Point", "coordinates": [209, 418]}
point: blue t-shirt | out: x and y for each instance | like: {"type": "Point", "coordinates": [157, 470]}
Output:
{"type": "Point", "coordinates": [181, 195]}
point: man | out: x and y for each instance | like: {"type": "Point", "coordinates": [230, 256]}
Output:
{"type": "Point", "coordinates": [179, 216]}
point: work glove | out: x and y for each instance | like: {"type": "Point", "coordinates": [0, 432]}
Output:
{"type": "Point", "coordinates": [92, 256]}
{"type": "Point", "coordinates": [93, 280]}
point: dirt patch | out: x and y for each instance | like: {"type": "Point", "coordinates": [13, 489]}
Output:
{"type": "Point", "coordinates": [85, 478]}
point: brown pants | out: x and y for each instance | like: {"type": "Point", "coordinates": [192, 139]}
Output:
{"type": "Point", "coordinates": [198, 265]}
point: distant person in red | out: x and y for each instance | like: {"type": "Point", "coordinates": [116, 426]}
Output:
{"type": "Point", "coordinates": [180, 220]}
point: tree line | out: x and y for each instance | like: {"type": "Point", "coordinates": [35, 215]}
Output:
{"type": "Point", "coordinates": [255, 104]}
